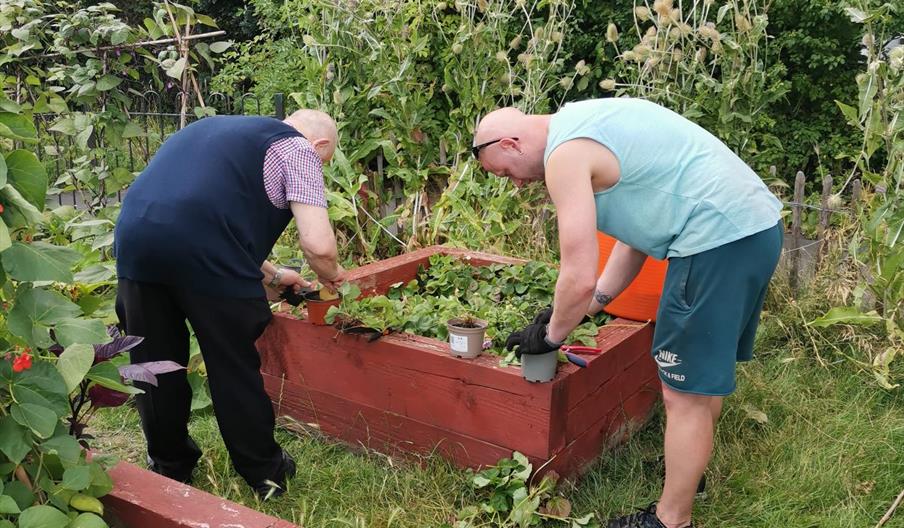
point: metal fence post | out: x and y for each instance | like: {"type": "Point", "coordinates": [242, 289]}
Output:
{"type": "Point", "coordinates": [279, 105]}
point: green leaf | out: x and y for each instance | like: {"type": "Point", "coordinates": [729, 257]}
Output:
{"type": "Point", "coordinates": [856, 15]}
{"type": "Point", "coordinates": [206, 20]}
{"type": "Point", "coordinates": [108, 82]}
{"type": "Point", "coordinates": [65, 125]}
{"type": "Point", "coordinates": [847, 315]}
{"type": "Point", "coordinates": [19, 212]}
{"type": "Point", "coordinates": [95, 274]}
{"type": "Point", "coordinates": [200, 398]}
{"type": "Point", "coordinates": [77, 478]}
{"type": "Point", "coordinates": [849, 112]}
{"type": "Point", "coordinates": [43, 517]}
{"type": "Point", "coordinates": [87, 331]}
{"type": "Point", "coordinates": [101, 483]}
{"type": "Point", "coordinates": [5, 241]}
{"type": "Point", "coordinates": [8, 105]}
{"type": "Point", "coordinates": [27, 174]}
{"type": "Point", "coordinates": [132, 130]}
{"type": "Point", "coordinates": [36, 310]}
{"type": "Point", "coordinates": [221, 46]}
{"type": "Point", "coordinates": [88, 520]}
{"type": "Point", "coordinates": [74, 363]}
{"type": "Point", "coordinates": [40, 261]}
{"type": "Point", "coordinates": [40, 420]}
{"type": "Point", "coordinates": [119, 36]}
{"type": "Point", "coordinates": [480, 481]}
{"type": "Point", "coordinates": [175, 71]}
{"type": "Point", "coordinates": [107, 375]}
{"type": "Point", "coordinates": [15, 440]}
{"type": "Point", "coordinates": [8, 505]}
{"type": "Point", "coordinates": [20, 493]}
{"type": "Point", "coordinates": [17, 126]}
{"type": "Point", "coordinates": [64, 446]}
{"type": "Point", "coordinates": [3, 171]}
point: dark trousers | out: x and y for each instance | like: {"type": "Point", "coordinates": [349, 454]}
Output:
{"type": "Point", "coordinates": [226, 329]}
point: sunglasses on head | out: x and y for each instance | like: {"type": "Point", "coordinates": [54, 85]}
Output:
{"type": "Point", "coordinates": [476, 148]}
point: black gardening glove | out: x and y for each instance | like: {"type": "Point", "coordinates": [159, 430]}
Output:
{"type": "Point", "coordinates": [530, 340]}
{"type": "Point", "coordinates": [544, 316]}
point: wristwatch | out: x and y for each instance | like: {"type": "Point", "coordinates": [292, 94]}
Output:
{"type": "Point", "coordinates": [277, 277]}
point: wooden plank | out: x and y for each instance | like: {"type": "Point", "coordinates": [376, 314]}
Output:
{"type": "Point", "coordinates": [609, 431]}
{"type": "Point", "coordinates": [143, 499]}
{"type": "Point", "coordinates": [611, 395]}
{"type": "Point", "coordinates": [432, 388]}
{"type": "Point", "coordinates": [372, 428]}
{"type": "Point", "coordinates": [376, 278]}
{"type": "Point", "coordinates": [289, 342]}
{"type": "Point", "coordinates": [623, 341]}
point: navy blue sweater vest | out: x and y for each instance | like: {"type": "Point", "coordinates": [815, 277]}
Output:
{"type": "Point", "coordinates": [198, 216]}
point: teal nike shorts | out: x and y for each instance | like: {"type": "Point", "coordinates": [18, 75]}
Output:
{"type": "Point", "coordinates": [709, 312]}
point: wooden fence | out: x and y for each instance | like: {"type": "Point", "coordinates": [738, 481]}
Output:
{"type": "Point", "coordinates": [802, 253]}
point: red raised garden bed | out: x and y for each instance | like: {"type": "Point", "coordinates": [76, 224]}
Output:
{"type": "Point", "coordinates": [406, 394]}
{"type": "Point", "coordinates": [143, 499]}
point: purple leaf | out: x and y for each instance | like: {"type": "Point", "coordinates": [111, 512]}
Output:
{"type": "Point", "coordinates": [104, 397]}
{"type": "Point", "coordinates": [161, 367]}
{"type": "Point", "coordinates": [147, 372]}
{"type": "Point", "coordinates": [116, 347]}
{"type": "Point", "coordinates": [138, 373]}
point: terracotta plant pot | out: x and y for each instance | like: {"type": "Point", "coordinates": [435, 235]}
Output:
{"type": "Point", "coordinates": [318, 308]}
{"type": "Point", "coordinates": [466, 337]}
{"type": "Point", "coordinates": [539, 367]}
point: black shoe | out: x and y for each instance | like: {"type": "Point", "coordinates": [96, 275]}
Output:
{"type": "Point", "coordinates": [276, 485]}
{"type": "Point", "coordinates": [645, 518]}
{"type": "Point", "coordinates": [182, 475]}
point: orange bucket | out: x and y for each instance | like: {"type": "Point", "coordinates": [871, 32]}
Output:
{"type": "Point", "coordinates": [640, 299]}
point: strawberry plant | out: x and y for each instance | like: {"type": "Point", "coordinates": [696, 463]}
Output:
{"type": "Point", "coordinates": [510, 500]}
{"type": "Point", "coordinates": [506, 296]}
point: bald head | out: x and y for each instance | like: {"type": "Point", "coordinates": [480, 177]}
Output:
{"type": "Point", "coordinates": [512, 144]}
{"type": "Point", "coordinates": [318, 128]}
{"type": "Point", "coordinates": [503, 122]}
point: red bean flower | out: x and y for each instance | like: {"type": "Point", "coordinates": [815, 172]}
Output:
{"type": "Point", "coordinates": [22, 362]}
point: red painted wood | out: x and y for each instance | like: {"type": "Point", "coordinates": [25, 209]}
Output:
{"type": "Point", "coordinates": [377, 277]}
{"type": "Point", "coordinates": [406, 393]}
{"type": "Point", "coordinates": [367, 427]}
{"type": "Point", "coordinates": [606, 433]}
{"type": "Point", "coordinates": [611, 395]}
{"type": "Point", "coordinates": [471, 397]}
{"type": "Point", "coordinates": [143, 499]}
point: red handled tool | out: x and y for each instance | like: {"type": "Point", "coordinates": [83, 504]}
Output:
{"type": "Point", "coordinates": [571, 353]}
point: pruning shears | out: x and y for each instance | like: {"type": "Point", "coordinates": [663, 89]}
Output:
{"type": "Point", "coordinates": [571, 353]}
{"type": "Point", "coordinates": [295, 298]}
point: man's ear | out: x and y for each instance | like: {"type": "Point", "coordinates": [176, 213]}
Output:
{"type": "Point", "coordinates": [321, 143]}
{"type": "Point", "coordinates": [511, 144]}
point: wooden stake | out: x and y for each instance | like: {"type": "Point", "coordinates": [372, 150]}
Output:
{"type": "Point", "coordinates": [799, 181]}
{"type": "Point", "coordinates": [824, 215]}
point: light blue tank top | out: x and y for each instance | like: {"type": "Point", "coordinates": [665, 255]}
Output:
{"type": "Point", "coordinates": [681, 191]}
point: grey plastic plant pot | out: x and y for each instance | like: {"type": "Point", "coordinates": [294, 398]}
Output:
{"type": "Point", "coordinates": [539, 368]}
{"type": "Point", "coordinates": [466, 342]}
